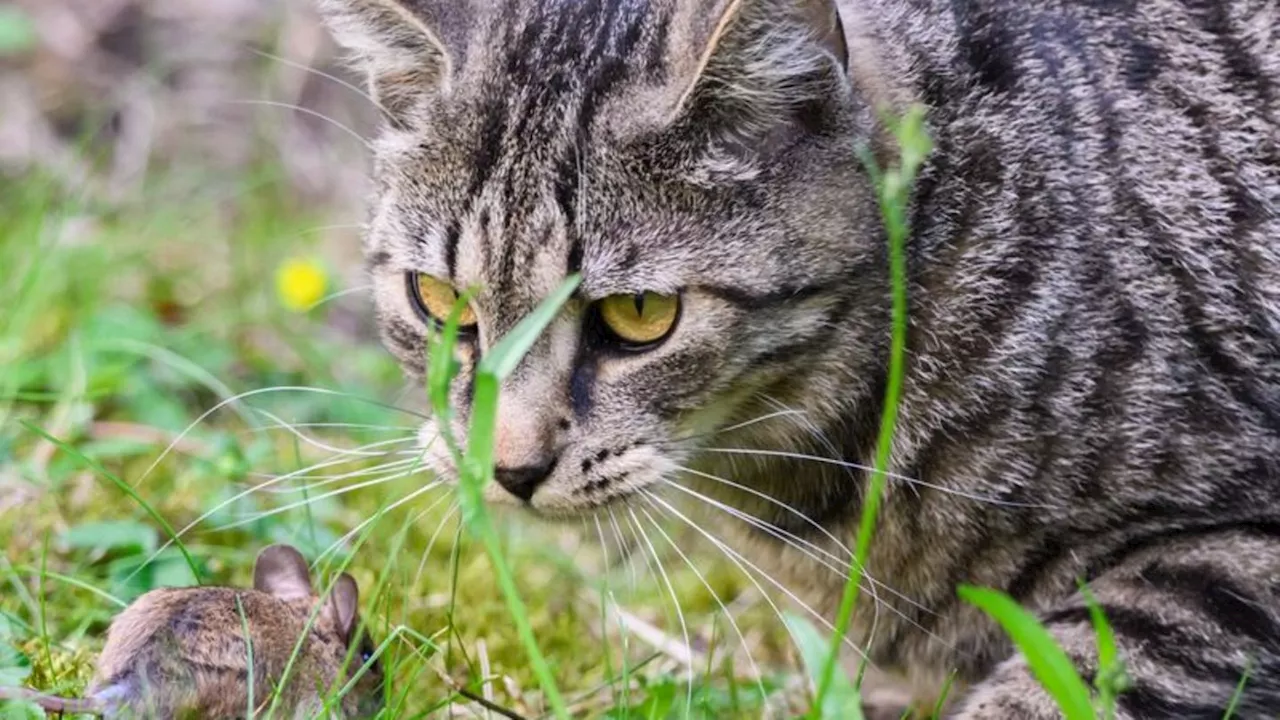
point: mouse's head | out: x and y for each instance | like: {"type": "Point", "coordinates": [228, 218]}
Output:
{"type": "Point", "coordinates": [281, 571]}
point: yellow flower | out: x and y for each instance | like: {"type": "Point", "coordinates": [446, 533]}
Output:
{"type": "Point", "coordinates": [300, 284]}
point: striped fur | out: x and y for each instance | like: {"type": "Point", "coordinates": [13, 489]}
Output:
{"type": "Point", "coordinates": [1093, 389]}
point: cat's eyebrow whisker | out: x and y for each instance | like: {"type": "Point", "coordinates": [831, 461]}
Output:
{"type": "Point", "coordinates": [433, 485]}
{"type": "Point", "coordinates": [312, 113]}
{"type": "Point", "coordinates": [689, 659]}
{"type": "Point", "coordinates": [739, 560]}
{"type": "Point", "coordinates": [755, 669]}
{"type": "Point", "coordinates": [386, 114]}
{"type": "Point", "coordinates": [336, 295]}
{"type": "Point", "coordinates": [253, 393]}
{"type": "Point", "coordinates": [868, 468]}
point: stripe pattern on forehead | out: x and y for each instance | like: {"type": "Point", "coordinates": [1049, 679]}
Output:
{"type": "Point", "coordinates": [560, 60]}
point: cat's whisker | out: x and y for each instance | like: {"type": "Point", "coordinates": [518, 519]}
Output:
{"type": "Point", "coordinates": [377, 517]}
{"type": "Point", "coordinates": [338, 294]}
{"type": "Point", "coordinates": [772, 501]}
{"type": "Point", "coordinates": [324, 481]}
{"type": "Point", "coordinates": [312, 113]}
{"type": "Point", "coordinates": [253, 393]}
{"type": "Point", "coordinates": [330, 448]}
{"type": "Point", "coordinates": [435, 535]}
{"type": "Point", "coordinates": [751, 452]}
{"type": "Point", "coordinates": [803, 421]}
{"type": "Point", "coordinates": [307, 501]}
{"type": "Point", "coordinates": [689, 659]}
{"type": "Point", "coordinates": [755, 669]}
{"type": "Point", "coordinates": [810, 550]}
{"type": "Point", "coordinates": [386, 114]}
{"type": "Point", "coordinates": [336, 426]}
{"type": "Point", "coordinates": [626, 550]}
{"type": "Point", "coordinates": [687, 439]}
{"type": "Point", "coordinates": [739, 560]}
{"type": "Point", "coordinates": [840, 566]}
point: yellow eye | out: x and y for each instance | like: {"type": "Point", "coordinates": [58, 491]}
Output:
{"type": "Point", "coordinates": [436, 299]}
{"type": "Point", "coordinates": [640, 319]}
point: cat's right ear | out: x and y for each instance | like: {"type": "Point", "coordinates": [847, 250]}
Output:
{"type": "Point", "coordinates": [406, 48]}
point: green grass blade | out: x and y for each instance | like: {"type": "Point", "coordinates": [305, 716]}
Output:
{"type": "Point", "coordinates": [1048, 662]}
{"type": "Point", "coordinates": [1239, 692]}
{"type": "Point", "coordinates": [894, 188]}
{"type": "Point", "coordinates": [475, 465]}
{"type": "Point", "coordinates": [842, 700]}
{"type": "Point", "coordinates": [126, 489]}
{"type": "Point", "coordinates": [505, 355]}
{"type": "Point", "coordinates": [1111, 679]}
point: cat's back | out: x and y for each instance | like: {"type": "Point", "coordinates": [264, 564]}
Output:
{"type": "Point", "coordinates": [1125, 151]}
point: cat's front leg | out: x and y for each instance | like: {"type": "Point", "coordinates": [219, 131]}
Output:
{"type": "Point", "coordinates": [1191, 619]}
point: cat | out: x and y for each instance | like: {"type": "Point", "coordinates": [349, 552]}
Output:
{"type": "Point", "coordinates": [1092, 389]}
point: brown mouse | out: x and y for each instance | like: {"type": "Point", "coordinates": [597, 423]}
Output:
{"type": "Point", "coordinates": [180, 652]}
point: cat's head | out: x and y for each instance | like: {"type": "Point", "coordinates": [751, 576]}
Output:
{"type": "Point", "coordinates": [694, 160]}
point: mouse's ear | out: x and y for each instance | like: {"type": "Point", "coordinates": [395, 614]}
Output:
{"type": "Point", "coordinates": [282, 571]}
{"type": "Point", "coordinates": [344, 605]}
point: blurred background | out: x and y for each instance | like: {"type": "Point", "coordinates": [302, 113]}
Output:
{"type": "Point", "coordinates": [186, 347]}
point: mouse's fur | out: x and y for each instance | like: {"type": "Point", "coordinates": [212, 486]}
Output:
{"type": "Point", "coordinates": [181, 652]}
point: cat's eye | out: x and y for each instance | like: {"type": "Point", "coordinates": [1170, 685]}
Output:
{"type": "Point", "coordinates": [639, 320]}
{"type": "Point", "coordinates": [435, 299]}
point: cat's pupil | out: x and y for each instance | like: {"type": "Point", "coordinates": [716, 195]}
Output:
{"type": "Point", "coordinates": [639, 300]}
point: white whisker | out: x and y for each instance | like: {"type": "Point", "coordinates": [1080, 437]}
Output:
{"type": "Point", "coordinates": [755, 670]}
{"type": "Point", "coordinates": [327, 76]}
{"type": "Point", "coordinates": [739, 560]}
{"type": "Point", "coordinates": [330, 448]}
{"type": "Point", "coordinates": [433, 485]}
{"type": "Point", "coordinates": [313, 113]}
{"type": "Point", "coordinates": [325, 496]}
{"type": "Point", "coordinates": [252, 393]}
{"type": "Point", "coordinates": [868, 468]}
{"type": "Point", "coordinates": [688, 659]}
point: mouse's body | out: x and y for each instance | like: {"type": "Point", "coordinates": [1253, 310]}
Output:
{"type": "Point", "coordinates": [182, 652]}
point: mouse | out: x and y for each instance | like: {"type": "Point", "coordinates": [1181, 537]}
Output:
{"type": "Point", "coordinates": [181, 652]}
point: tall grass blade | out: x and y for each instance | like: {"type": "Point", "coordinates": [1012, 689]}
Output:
{"type": "Point", "coordinates": [1048, 662]}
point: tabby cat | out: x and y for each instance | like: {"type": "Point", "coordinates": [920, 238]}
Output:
{"type": "Point", "coordinates": [1093, 382]}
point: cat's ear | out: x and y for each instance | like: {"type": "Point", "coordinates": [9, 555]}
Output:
{"type": "Point", "coordinates": [780, 38]}
{"type": "Point", "coordinates": [406, 48]}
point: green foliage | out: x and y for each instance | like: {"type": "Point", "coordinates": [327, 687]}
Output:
{"type": "Point", "coordinates": [842, 701]}
{"type": "Point", "coordinates": [893, 189]}
{"type": "Point", "coordinates": [475, 465]}
{"type": "Point", "coordinates": [1111, 679]}
{"type": "Point", "coordinates": [1048, 662]}
{"type": "Point", "coordinates": [17, 33]}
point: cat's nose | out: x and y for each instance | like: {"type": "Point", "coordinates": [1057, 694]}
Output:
{"type": "Point", "coordinates": [524, 481]}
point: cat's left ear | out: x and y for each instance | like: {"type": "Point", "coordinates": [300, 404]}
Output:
{"type": "Point", "coordinates": [407, 48]}
{"type": "Point", "coordinates": [707, 30]}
